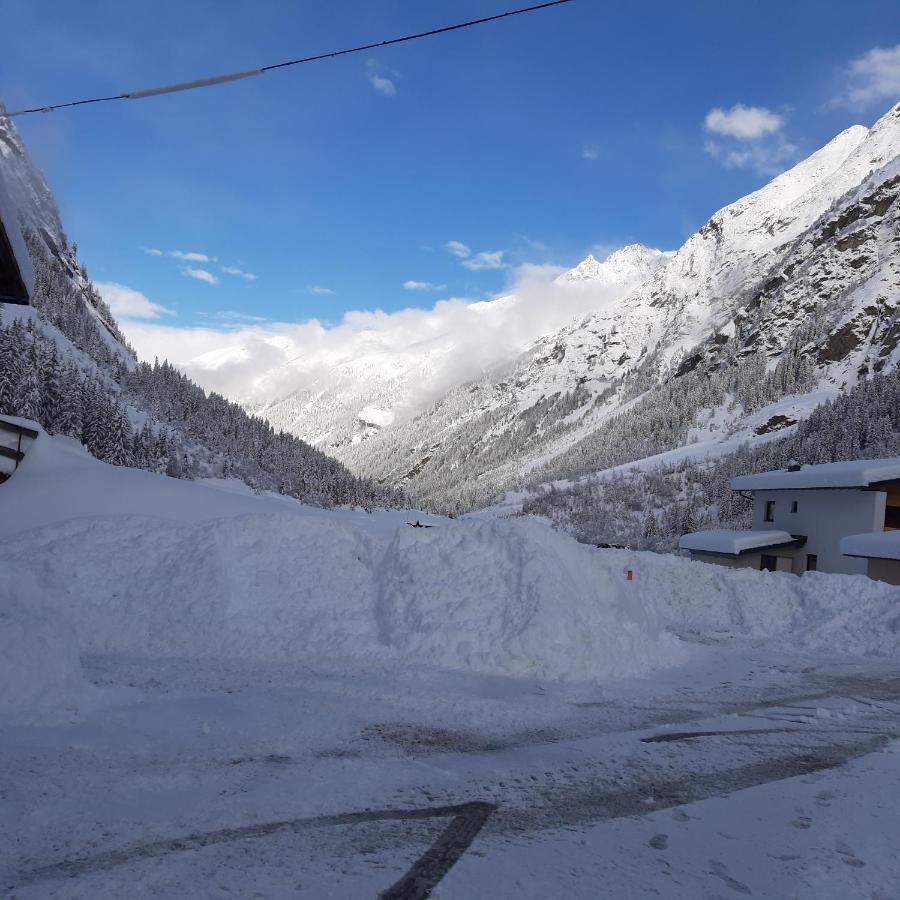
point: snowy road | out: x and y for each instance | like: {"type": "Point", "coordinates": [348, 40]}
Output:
{"type": "Point", "coordinates": [746, 776]}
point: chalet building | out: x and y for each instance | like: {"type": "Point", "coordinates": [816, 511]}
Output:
{"type": "Point", "coordinates": [838, 517]}
{"type": "Point", "coordinates": [16, 273]}
{"type": "Point", "coordinates": [16, 436]}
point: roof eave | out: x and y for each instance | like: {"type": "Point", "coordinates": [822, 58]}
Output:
{"type": "Point", "coordinates": [798, 542]}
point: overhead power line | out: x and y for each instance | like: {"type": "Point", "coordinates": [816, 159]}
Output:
{"type": "Point", "coordinates": [249, 73]}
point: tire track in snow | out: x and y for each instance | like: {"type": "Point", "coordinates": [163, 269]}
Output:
{"type": "Point", "coordinates": [418, 882]}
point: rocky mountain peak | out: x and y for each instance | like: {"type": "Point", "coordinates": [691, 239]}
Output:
{"type": "Point", "coordinates": [629, 265]}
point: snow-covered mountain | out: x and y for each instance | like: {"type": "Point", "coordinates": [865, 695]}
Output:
{"type": "Point", "coordinates": [28, 187]}
{"type": "Point", "coordinates": [630, 266]}
{"type": "Point", "coordinates": [65, 364]}
{"type": "Point", "coordinates": [339, 397]}
{"type": "Point", "coordinates": [805, 270]}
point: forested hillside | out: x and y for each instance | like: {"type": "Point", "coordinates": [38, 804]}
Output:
{"type": "Point", "coordinates": [66, 365]}
{"type": "Point", "coordinates": [650, 508]}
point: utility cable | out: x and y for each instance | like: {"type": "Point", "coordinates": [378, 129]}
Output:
{"type": "Point", "coordinates": [249, 73]}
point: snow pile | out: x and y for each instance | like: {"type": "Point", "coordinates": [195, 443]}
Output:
{"type": "Point", "coordinates": [840, 614]}
{"type": "Point", "coordinates": [271, 586]}
{"type": "Point", "coordinates": [516, 597]}
{"type": "Point", "coordinates": [40, 670]}
{"type": "Point", "coordinates": [512, 598]}
{"type": "Point", "coordinates": [143, 564]}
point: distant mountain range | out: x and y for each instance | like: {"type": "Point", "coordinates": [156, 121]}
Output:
{"type": "Point", "coordinates": [808, 267]}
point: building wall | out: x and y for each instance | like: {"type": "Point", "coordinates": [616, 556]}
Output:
{"type": "Point", "coordinates": [885, 570]}
{"type": "Point", "coordinates": [824, 517]}
{"type": "Point", "coordinates": [788, 560]}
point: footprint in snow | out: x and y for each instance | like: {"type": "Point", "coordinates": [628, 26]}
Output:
{"type": "Point", "coordinates": [720, 870]}
{"type": "Point", "coordinates": [848, 857]}
{"type": "Point", "coordinates": [659, 841]}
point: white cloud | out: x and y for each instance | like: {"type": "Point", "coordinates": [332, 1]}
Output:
{"type": "Point", "coordinates": [488, 259]}
{"type": "Point", "coordinates": [749, 137]}
{"type": "Point", "coordinates": [240, 273]}
{"type": "Point", "coordinates": [192, 256]}
{"type": "Point", "coordinates": [423, 286]}
{"type": "Point", "coordinates": [590, 151]}
{"type": "Point", "coordinates": [871, 78]}
{"type": "Point", "coordinates": [130, 303]}
{"type": "Point", "coordinates": [459, 337]}
{"type": "Point", "coordinates": [383, 85]}
{"type": "Point", "coordinates": [232, 318]}
{"type": "Point", "coordinates": [745, 123]}
{"type": "Point", "coordinates": [381, 78]}
{"type": "Point", "coordinates": [200, 275]}
{"type": "Point", "coordinates": [767, 158]}
{"type": "Point", "coordinates": [152, 251]}
{"type": "Point", "coordinates": [320, 291]}
{"type": "Point", "coordinates": [458, 248]}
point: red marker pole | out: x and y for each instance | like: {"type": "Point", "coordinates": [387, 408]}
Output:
{"type": "Point", "coordinates": [629, 573]}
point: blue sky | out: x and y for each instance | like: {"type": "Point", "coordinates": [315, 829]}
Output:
{"type": "Point", "coordinates": [534, 140]}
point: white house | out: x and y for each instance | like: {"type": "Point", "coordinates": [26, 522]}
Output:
{"type": "Point", "coordinates": [16, 437]}
{"type": "Point", "coordinates": [837, 517]}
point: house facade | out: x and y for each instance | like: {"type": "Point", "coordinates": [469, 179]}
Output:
{"type": "Point", "coordinates": [814, 518]}
{"type": "Point", "coordinates": [16, 437]}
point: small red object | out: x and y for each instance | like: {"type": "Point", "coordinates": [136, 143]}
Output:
{"type": "Point", "coordinates": [629, 575]}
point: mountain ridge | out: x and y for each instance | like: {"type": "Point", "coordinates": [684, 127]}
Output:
{"type": "Point", "coordinates": [731, 292]}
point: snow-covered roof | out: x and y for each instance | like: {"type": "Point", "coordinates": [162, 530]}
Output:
{"type": "Point", "coordinates": [855, 473]}
{"type": "Point", "coordinates": [9, 219]}
{"type": "Point", "coordinates": [734, 543]}
{"type": "Point", "coordinates": [872, 545]}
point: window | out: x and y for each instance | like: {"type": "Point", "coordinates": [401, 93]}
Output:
{"type": "Point", "coordinates": [812, 562]}
{"type": "Point", "coordinates": [770, 511]}
{"type": "Point", "coordinates": [892, 517]}
{"type": "Point", "coordinates": [794, 506]}
{"type": "Point", "coordinates": [768, 563]}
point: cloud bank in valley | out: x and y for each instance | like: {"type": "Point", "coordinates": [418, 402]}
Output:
{"type": "Point", "coordinates": [458, 336]}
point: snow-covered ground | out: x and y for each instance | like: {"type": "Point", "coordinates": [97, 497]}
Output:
{"type": "Point", "coordinates": [204, 692]}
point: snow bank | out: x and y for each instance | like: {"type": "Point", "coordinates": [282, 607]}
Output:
{"type": "Point", "coordinates": [516, 597]}
{"type": "Point", "coordinates": [841, 614]}
{"type": "Point", "coordinates": [40, 670]}
{"type": "Point", "coordinates": [142, 564]}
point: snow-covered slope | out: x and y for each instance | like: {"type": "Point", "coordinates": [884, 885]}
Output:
{"type": "Point", "coordinates": [336, 398]}
{"type": "Point", "coordinates": [106, 559]}
{"type": "Point", "coordinates": [808, 266]}
{"type": "Point", "coordinates": [28, 188]}
{"type": "Point", "coordinates": [65, 362]}
{"type": "Point", "coordinates": [140, 563]}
